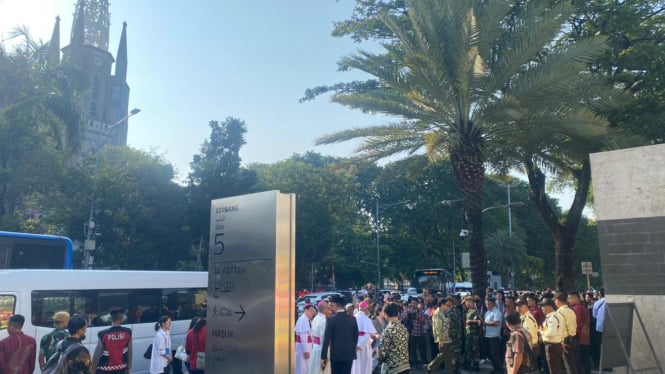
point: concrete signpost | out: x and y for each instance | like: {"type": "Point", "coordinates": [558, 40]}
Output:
{"type": "Point", "coordinates": [251, 305]}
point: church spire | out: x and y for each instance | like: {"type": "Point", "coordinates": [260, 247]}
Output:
{"type": "Point", "coordinates": [121, 57]}
{"type": "Point", "coordinates": [91, 23]}
{"type": "Point", "coordinates": [53, 58]}
{"type": "Point", "coordinates": [78, 28]}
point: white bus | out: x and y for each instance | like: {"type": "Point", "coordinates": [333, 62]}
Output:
{"type": "Point", "coordinates": [146, 295]}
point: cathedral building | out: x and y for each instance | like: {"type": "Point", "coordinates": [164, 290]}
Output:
{"type": "Point", "coordinates": [105, 102]}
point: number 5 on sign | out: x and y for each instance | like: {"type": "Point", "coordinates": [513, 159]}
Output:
{"type": "Point", "coordinates": [219, 244]}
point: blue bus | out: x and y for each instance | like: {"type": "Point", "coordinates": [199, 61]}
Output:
{"type": "Point", "coordinates": [35, 251]}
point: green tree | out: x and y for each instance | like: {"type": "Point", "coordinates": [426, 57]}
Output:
{"type": "Point", "coordinates": [138, 209]}
{"type": "Point", "coordinates": [634, 60]}
{"type": "Point", "coordinates": [39, 124]}
{"type": "Point", "coordinates": [216, 173]}
{"type": "Point", "coordinates": [457, 74]}
{"type": "Point", "coordinates": [506, 253]}
{"type": "Point", "coordinates": [331, 231]}
{"type": "Point", "coordinates": [416, 231]}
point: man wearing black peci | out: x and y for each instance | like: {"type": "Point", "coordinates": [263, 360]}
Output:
{"type": "Point", "coordinates": [342, 336]}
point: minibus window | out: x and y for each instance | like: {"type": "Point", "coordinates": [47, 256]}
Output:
{"type": "Point", "coordinates": [7, 309]}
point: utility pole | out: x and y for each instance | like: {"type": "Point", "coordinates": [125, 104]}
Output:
{"type": "Point", "coordinates": [378, 250]}
{"type": "Point", "coordinates": [454, 272]}
{"type": "Point", "coordinates": [510, 233]}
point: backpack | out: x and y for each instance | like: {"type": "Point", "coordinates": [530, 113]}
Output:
{"type": "Point", "coordinates": [57, 364]}
{"type": "Point", "coordinates": [529, 364]}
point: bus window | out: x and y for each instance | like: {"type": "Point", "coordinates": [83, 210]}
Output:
{"type": "Point", "coordinates": [7, 308]}
{"type": "Point", "coordinates": [184, 304]}
{"type": "Point", "coordinates": [34, 251]}
{"type": "Point", "coordinates": [107, 300]}
{"type": "Point", "coordinates": [142, 305]}
{"type": "Point", "coordinates": [146, 304]}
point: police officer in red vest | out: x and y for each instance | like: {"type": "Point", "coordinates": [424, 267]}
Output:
{"type": "Point", "coordinates": [113, 354]}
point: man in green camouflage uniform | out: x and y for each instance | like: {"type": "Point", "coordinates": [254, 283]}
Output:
{"type": "Point", "coordinates": [50, 340]}
{"type": "Point", "coordinates": [473, 333]}
{"type": "Point", "coordinates": [456, 330]}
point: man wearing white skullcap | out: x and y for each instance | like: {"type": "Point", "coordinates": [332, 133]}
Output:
{"type": "Point", "coordinates": [363, 362]}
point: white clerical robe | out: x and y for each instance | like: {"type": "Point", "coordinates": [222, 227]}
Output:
{"type": "Point", "coordinates": [363, 362]}
{"type": "Point", "coordinates": [303, 344]}
{"type": "Point", "coordinates": [318, 333]}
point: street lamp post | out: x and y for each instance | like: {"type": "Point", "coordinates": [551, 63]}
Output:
{"type": "Point", "coordinates": [510, 234]}
{"type": "Point", "coordinates": [90, 227]}
{"type": "Point", "coordinates": [378, 250]}
{"type": "Point", "coordinates": [508, 206]}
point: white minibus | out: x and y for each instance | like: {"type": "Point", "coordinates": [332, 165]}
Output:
{"type": "Point", "coordinates": [145, 295]}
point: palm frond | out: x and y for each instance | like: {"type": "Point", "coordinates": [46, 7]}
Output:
{"type": "Point", "coordinates": [542, 22]}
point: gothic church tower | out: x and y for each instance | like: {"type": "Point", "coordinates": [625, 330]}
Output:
{"type": "Point", "coordinates": [106, 101]}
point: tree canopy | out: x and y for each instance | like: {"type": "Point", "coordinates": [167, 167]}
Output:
{"type": "Point", "coordinates": [462, 78]}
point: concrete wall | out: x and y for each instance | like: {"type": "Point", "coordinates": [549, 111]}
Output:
{"type": "Point", "coordinates": [629, 194]}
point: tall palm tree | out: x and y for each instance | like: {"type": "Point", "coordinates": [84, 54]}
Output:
{"type": "Point", "coordinates": [457, 75]}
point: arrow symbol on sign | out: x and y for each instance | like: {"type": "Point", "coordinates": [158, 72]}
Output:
{"type": "Point", "coordinates": [242, 312]}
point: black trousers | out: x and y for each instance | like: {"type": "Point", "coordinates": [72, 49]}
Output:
{"type": "Point", "coordinates": [596, 340]}
{"type": "Point", "coordinates": [416, 347]}
{"type": "Point", "coordinates": [494, 352]}
{"type": "Point", "coordinates": [340, 367]}
{"type": "Point", "coordinates": [434, 347]}
{"type": "Point", "coordinates": [571, 356]}
{"type": "Point", "coordinates": [585, 359]}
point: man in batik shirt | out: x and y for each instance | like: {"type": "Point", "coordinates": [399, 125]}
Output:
{"type": "Point", "coordinates": [394, 346]}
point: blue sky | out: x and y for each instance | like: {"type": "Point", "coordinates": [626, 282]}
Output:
{"type": "Point", "coordinates": [192, 61]}
{"type": "Point", "coordinates": [199, 60]}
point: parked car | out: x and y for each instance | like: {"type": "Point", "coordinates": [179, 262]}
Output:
{"type": "Point", "coordinates": [410, 293]}
{"type": "Point", "coordinates": [313, 298]}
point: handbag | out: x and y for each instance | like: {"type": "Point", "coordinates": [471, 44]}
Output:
{"type": "Point", "coordinates": [180, 354]}
{"type": "Point", "coordinates": [148, 352]}
{"type": "Point", "coordinates": [200, 360]}
{"type": "Point", "coordinates": [200, 356]}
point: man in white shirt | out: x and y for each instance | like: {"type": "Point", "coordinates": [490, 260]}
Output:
{"type": "Point", "coordinates": [318, 333]}
{"type": "Point", "coordinates": [363, 362]}
{"type": "Point", "coordinates": [304, 339]}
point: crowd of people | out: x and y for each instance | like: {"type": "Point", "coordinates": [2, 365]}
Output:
{"type": "Point", "coordinates": [544, 332]}
{"type": "Point", "coordinates": [62, 347]}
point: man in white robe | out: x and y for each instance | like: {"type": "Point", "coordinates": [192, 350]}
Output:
{"type": "Point", "coordinates": [304, 339]}
{"type": "Point", "coordinates": [318, 333]}
{"type": "Point", "coordinates": [366, 330]}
